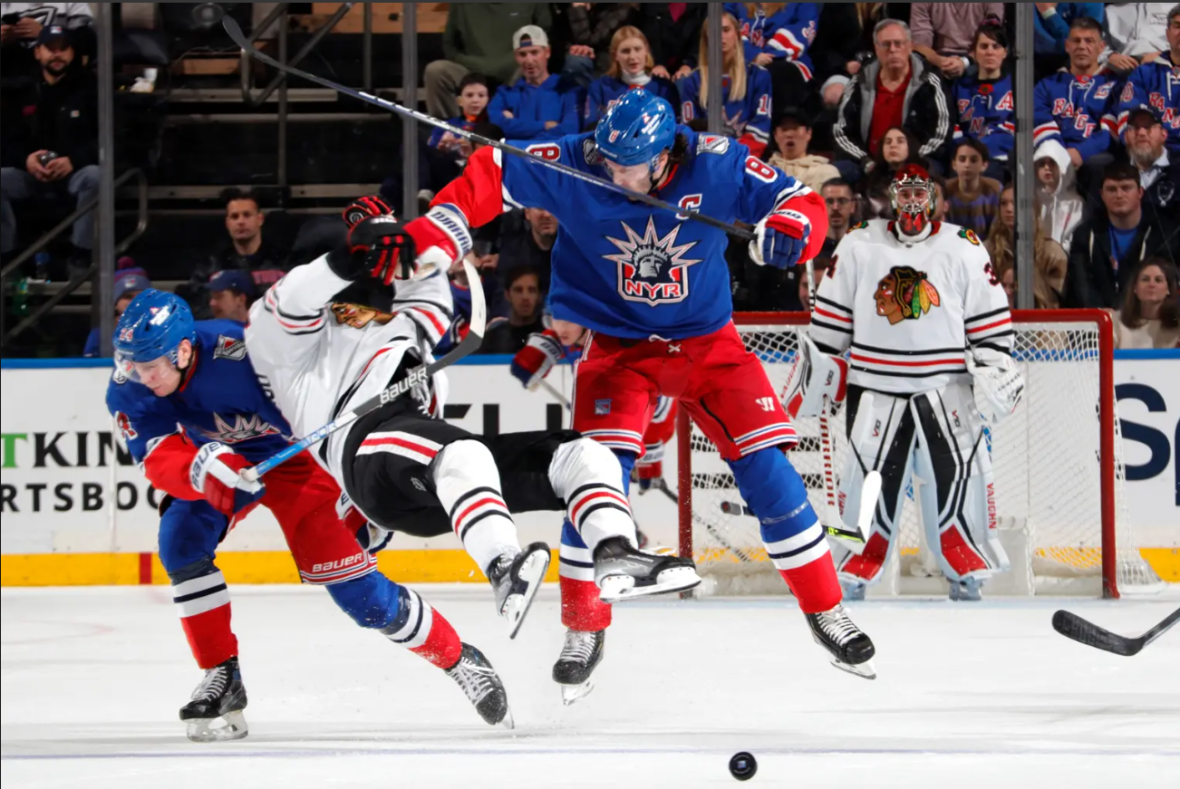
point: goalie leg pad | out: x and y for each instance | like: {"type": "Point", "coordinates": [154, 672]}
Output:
{"type": "Point", "coordinates": [958, 497]}
{"type": "Point", "coordinates": [815, 376]}
{"type": "Point", "coordinates": [468, 486]}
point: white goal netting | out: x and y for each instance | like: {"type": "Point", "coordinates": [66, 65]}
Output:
{"type": "Point", "coordinates": [1058, 475]}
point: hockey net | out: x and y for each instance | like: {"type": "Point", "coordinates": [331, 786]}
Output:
{"type": "Point", "coordinates": [1057, 464]}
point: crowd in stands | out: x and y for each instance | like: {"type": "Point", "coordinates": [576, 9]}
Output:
{"type": "Point", "coordinates": [840, 96]}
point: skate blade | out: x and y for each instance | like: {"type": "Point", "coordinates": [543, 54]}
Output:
{"type": "Point", "coordinates": [572, 693]}
{"type": "Point", "coordinates": [864, 670]}
{"type": "Point", "coordinates": [507, 721]}
{"type": "Point", "coordinates": [202, 729]}
{"type": "Point", "coordinates": [532, 572]}
{"type": "Point", "coordinates": [617, 588]}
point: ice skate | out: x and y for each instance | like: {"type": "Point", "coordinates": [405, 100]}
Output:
{"type": "Point", "coordinates": [622, 572]}
{"type": "Point", "coordinates": [850, 648]}
{"type": "Point", "coordinates": [220, 698]}
{"type": "Point", "coordinates": [483, 687]}
{"type": "Point", "coordinates": [579, 657]}
{"type": "Point", "coordinates": [517, 579]}
{"type": "Point", "coordinates": [966, 590]}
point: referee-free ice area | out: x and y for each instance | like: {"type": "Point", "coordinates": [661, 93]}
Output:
{"type": "Point", "coordinates": [968, 695]}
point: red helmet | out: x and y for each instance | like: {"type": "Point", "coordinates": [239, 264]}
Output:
{"type": "Point", "coordinates": [912, 195]}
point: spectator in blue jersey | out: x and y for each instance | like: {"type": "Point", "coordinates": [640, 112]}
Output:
{"type": "Point", "coordinates": [1158, 174]}
{"type": "Point", "coordinates": [745, 90]}
{"type": "Point", "coordinates": [983, 100]}
{"type": "Point", "coordinates": [592, 29]}
{"type": "Point", "coordinates": [777, 36]}
{"type": "Point", "coordinates": [1076, 106]}
{"type": "Point", "coordinates": [1052, 20]}
{"type": "Point", "coordinates": [972, 198]}
{"type": "Point", "coordinates": [537, 106]}
{"type": "Point", "coordinates": [631, 67]}
{"type": "Point", "coordinates": [129, 281]}
{"type": "Point", "coordinates": [525, 297]}
{"type": "Point", "coordinates": [1154, 86]}
{"type": "Point", "coordinates": [446, 153]}
{"type": "Point", "coordinates": [231, 292]}
{"type": "Point", "coordinates": [1106, 249]}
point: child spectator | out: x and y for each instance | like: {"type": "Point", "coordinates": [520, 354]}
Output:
{"type": "Point", "coordinates": [537, 106]}
{"type": "Point", "coordinates": [1049, 259]}
{"type": "Point", "coordinates": [972, 198]}
{"type": "Point", "coordinates": [984, 100]}
{"type": "Point", "coordinates": [1060, 207]}
{"type": "Point", "coordinates": [447, 153]}
{"type": "Point", "coordinates": [1150, 314]}
{"type": "Point", "coordinates": [792, 135]}
{"type": "Point", "coordinates": [631, 66]}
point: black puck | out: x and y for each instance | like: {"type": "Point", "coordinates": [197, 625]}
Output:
{"type": "Point", "coordinates": [743, 766]}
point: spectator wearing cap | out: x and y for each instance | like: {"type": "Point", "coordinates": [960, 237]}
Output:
{"type": "Point", "coordinates": [983, 100]}
{"type": "Point", "coordinates": [231, 292]}
{"type": "Point", "coordinates": [1158, 175]}
{"type": "Point", "coordinates": [1152, 86]}
{"type": "Point", "coordinates": [1106, 249]}
{"type": "Point", "coordinates": [898, 89]}
{"type": "Point", "coordinates": [55, 145]}
{"type": "Point", "coordinates": [631, 67]}
{"type": "Point", "coordinates": [21, 25]}
{"type": "Point", "coordinates": [1059, 205]}
{"type": "Point", "coordinates": [129, 281]}
{"type": "Point", "coordinates": [972, 198]}
{"type": "Point", "coordinates": [1137, 33]}
{"type": "Point", "coordinates": [943, 32]}
{"type": "Point", "coordinates": [792, 135]}
{"type": "Point", "coordinates": [478, 37]}
{"type": "Point", "coordinates": [538, 106]}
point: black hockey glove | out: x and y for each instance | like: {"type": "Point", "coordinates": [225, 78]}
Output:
{"type": "Point", "coordinates": [364, 207]}
{"type": "Point", "coordinates": [378, 247]}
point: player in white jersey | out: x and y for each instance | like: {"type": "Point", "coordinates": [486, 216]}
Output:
{"type": "Point", "coordinates": [919, 307]}
{"type": "Point", "coordinates": [334, 333]}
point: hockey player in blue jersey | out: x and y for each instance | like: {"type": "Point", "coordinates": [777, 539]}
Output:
{"type": "Point", "coordinates": [653, 289]}
{"type": "Point", "coordinates": [194, 416]}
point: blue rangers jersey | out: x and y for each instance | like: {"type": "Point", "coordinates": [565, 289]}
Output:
{"type": "Point", "coordinates": [1155, 86]}
{"type": "Point", "coordinates": [784, 35]}
{"type": "Point", "coordinates": [606, 90]}
{"type": "Point", "coordinates": [987, 114]}
{"type": "Point", "coordinates": [621, 267]}
{"type": "Point", "coordinates": [747, 118]}
{"type": "Point", "coordinates": [1078, 112]}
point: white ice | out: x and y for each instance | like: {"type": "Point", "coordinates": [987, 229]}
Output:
{"type": "Point", "coordinates": [982, 695]}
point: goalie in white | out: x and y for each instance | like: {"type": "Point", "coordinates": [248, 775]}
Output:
{"type": "Point", "coordinates": [919, 306]}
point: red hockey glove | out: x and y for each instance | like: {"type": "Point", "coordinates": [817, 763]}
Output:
{"type": "Point", "coordinates": [363, 208]}
{"type": "Point", "coordinates": [537, 358]}
{"type": "Point", "coordinates": [216, 473]}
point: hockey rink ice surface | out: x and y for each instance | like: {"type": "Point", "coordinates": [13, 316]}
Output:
{"type": "Point", "coordinates": [968, 695]}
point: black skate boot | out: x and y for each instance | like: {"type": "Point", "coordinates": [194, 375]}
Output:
{"type": "Point", "coordinates": [517, 579]}
{"type": "Point", "coordinates": [221, 696]}
{"type": "Point", "coordinates": [579, 657]}
{"type": "Point", "coordinates": [851, 649]}
{"type": "Point", "coordinates": [622, 572]}
{"type": "Point", "coordinates": [482, 685]}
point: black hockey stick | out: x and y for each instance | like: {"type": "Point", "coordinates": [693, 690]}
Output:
{"type": "Point", "coordinates": [851, 535]}
{"type": "Point", "coordinates": [235, 33]}
{"type": "Point", "coordinates": [1073, 626]}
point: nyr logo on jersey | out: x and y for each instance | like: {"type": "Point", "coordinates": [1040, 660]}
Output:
{"type": "Point", "coordinates": [243, 428]}
{"type": "Point", "coordinates": [651, 269]}
{"type": "Point", "coordinates": [229, 348]}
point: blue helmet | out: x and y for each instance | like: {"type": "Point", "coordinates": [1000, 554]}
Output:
{"type": "Point", "coordinates": [153, 326]}
{"type": "Point", "coordinates": [636, 130]}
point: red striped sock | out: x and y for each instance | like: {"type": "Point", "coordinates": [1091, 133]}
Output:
{"type": "Point", "coordinates": [210, 637]}
{"type": "Point", "coordinates": [815, 585]}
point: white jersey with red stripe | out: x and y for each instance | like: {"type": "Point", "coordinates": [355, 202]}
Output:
{"type": "Point", "coordinates": [908, 312]}
{"type": "Point", "coordinates": [320, 357]}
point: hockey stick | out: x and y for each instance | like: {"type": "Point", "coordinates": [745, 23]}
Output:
{"type": "Point", "coordinates": [555, 394]}
{"type": "Point", "coordinates": [660, 484]}
{"type": "Point", "coordinates": [1073, 626]}
{"type": "Point", "coordinates": [419, 375]}
{"type": "Point", "coordinates": [235, 33]}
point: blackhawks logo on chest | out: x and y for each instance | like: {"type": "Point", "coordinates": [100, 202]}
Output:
{"type": "Point", "coordinates": [652, 269]}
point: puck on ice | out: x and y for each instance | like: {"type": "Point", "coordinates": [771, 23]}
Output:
{"type": "Point", "coordinates": [743, 766]}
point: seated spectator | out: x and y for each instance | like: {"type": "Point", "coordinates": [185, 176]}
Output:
{"type": "Point", "coordinates": [842, 205]}
{"type": "Point", "coordinates": [843, 42]}
{"type": "Point", "coordinates": [537, 106]}
{"type": "Point", "coordinates": [22, 24]}
{"type": "Point", "coordinates": [819, 267]}
{"type": "Point", "coordinates": [1152, 86]}
{"type": "Point", "coordinates": [1106, 249]}
{"type": "Point", "coordinates": [972, 198]}
{"type": "Point", "coordinates": [593, 28]}
{"type": "Point", "coordinates": [54, 146]}
{"type": "Point", "coordinates": [1059, 206]}
{"type": "Point", "coordinates": [792, 135]}
{"type": "Point", "coordinates": [1076, 105]}
{"type": "Point", "coordinates": [1137, 33]}
{"type": "Point", "coordinates": [631, 66]}
{"type": "Point", "coordinates": [1150, 313]}
{"type": "Point", "coordinates": [940, 198]}
{"type": "Point", "coordinates": [447, 153]}
{"type": "Point", "coordinates": [1051, 25]}
{"type": "Point", "coordinates": [943, 32]}
{"type": "Point", "coordinates": [1049, 259]}
{"type": "Point", "coordinates": [526, 239]}
{"type": "Point", "coordinates": [745, 90]}
{"type": "Point", "coordinates": [777, 37]}
{"type": "Point", "coordinates": [984, 100]}
{"type": "Point", "coordinates": [231, 292]}
{"type": "Point", "coordinates": [673, 30]}
{"type": "Point", "coordinates": [524, 294]}
{"type": "Point", "coordinates": [129, 281]}
{"type": "Point", "coordinates": [898, 148]}
{"type": "Point", "coordinates": [478, 37]}
{"type": "Point", "coordinates": [899, 89]}
{"type": "Point", "coordinates": [1158, 175]}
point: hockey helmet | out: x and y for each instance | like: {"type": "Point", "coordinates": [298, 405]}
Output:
{"type": "Point", "coordinates": [636, 129]}
{"type": "Point", "coordinates": [911, 194]}
{"type": "Point", "coordinates": [153, 325]}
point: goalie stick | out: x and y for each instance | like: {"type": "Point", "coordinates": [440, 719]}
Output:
{"type": "Point", "coordinates": [234, 31]}
{"type": "Point", "coordinates": [1074, 627]}
{"type": "Point", "coordinates": [419, 375]}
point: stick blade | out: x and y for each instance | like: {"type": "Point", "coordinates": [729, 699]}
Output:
{"type": "Point", "coordinates": [1074, 627]}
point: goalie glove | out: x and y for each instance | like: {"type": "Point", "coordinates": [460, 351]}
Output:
{"type": "Point", "coordinates": [216, 473]}
{"type": "Point", "coordinates": [533, 362]}
{"type": "Point", "coordinates": [997, 381]}
{"type": "Point", "coordinates": [816, 375]}
{"type": "Point", "coordinates": [780, 239]}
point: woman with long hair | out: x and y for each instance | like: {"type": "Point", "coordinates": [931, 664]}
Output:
{"type": "Point", "coordinates": [898, 148]}
{"type": "Point", "coordinates": [745, 90]}
{"type": "Point", "coordinates": [630, 67]}
{"type": "Point", "coordinates": [1150, 315]}
{"type": "Point", "coordinates": [984, 100]}
{"type": "Point", "coordinates": [1049, 259]}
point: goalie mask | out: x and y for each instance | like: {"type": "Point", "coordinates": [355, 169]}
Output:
{"type": "Point", "coordinates": [912, 196]}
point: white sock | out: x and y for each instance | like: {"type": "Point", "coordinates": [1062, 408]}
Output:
{"type": "Point", "coordinates": [468, 485]}
{"type": "Point", "coordinates": [587, 476]}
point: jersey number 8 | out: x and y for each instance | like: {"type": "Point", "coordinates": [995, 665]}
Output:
{"type": "Point", "coordinates": [761, 170]}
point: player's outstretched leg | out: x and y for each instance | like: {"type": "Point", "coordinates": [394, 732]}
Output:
{"type": "Point", "coordinates": [795, 542]}
{"type": "Point", "coordinates": [467, 483]}
{"type": "Point", "coordinates": [403, 617]}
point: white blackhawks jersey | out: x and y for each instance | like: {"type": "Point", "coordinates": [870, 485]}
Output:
{"type": "Point", "coordinates": [320, 358]}
{"type": "Point", "coordinates": [908, 312]}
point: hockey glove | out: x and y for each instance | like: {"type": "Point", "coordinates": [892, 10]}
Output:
{"type": "Point", "coordinates": [533, 362]}
{"type": "Point", "coordinates": [997, 381]}
{"type": "Point", "coordinates": [216, 473]}
{"type": "Point", "coordinates": [815, 375]}
{"type": "Point", "coordinates": [363, 208]}
{"type": "Point", "coordinates": [780, 238]}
